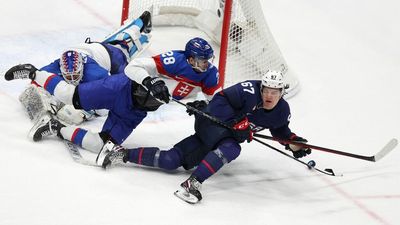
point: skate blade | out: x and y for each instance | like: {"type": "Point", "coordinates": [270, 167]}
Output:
{"type": "Point", "coordinates": [185, 196]}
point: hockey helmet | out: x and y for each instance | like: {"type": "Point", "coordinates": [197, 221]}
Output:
{"type": "Point", "coordinates": [71, 66]}
{"type": "Point", "coordinates": [201, 52]}
{"type": "Point", "coordinates": [198, 48]}
{"type": "Point", "coordinates": [273, 79]}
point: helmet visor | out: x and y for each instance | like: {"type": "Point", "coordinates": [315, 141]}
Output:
{"type": "Point", "coordinates": [202, 64]}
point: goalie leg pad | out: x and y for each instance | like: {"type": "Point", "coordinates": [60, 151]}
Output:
{"type": "Point", "coordinates": [119, 33]}
{"type": "Point", "coordinates": [129, 39]}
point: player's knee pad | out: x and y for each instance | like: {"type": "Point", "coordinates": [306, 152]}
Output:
{"type": "Point", "coordinates": [228, 149]}
{"type": "Point", "coordinates": [225, 153]}
{"type": "Point", "coordinates": [170, 160]}
{"type": "Point", "coordinates": [216, 159]}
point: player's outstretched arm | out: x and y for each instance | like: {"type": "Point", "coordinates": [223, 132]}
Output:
{"type": "Point", "coordinates": [140, 69]}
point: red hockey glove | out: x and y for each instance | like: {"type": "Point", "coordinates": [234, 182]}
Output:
{"type": "Point", "coordinates": [242, 131]}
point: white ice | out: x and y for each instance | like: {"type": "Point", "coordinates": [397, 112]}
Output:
{"type": "Point", "coordinates": [347, 57]}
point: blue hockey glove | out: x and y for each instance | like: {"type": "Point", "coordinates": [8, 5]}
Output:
{"type": "Point", "coordinates": [157, 87]}
{"type": "Point", "coordinates": [298, 151]}
{"type": "Point", "coordinates": [242, 131]}
{"type": "Point", "coordinates": [198, 104]}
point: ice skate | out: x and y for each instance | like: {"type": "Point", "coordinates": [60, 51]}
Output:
{"type": "Point", "coordinates": [45, 126]}
{"type": "Point", "coordinates": [111, 155]}
{"type": "Point", "coordinates": [190, 191]}
{"type": "Point", "coordinates": [21, 71]}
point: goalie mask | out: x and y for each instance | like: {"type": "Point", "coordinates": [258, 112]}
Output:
{"type": "Point", "coordinates": [71, 66]}
{"type": "Point", "coordinates": [201, 53]}
{"type": "Point", "coordinates": [274, 79]}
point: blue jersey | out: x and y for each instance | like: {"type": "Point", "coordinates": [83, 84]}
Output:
{"type": "Point", "coordinates": [245, 99]}
{"type": "Point", "coordinates": [175, 65]}
{"type": "Point", "coordinates": [91, 69]}
{"type": "Point", "coordinates": [115, 94]}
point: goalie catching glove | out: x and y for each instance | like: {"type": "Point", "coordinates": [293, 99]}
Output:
{"type": "Point", "coordinates": [297, 150]}
{"type": "Point", "coordinates": [74, 116]}
{"type": "Point", "coordinates": [157, 88]}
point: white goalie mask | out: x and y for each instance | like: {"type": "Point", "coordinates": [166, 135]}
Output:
{"type": "Point", "coordinates": [71, 66]}
{"type": "Point", "coordinates": [273, 79]}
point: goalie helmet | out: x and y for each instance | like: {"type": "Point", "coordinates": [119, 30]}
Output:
{"type": "Point", "coordinates": [201, 52]}
{"type": "Point", "coordinates": [273, 79]}
{"type": "Point", "coordinates": [71, 66]}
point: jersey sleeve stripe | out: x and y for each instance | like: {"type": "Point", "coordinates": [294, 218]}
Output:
{"type": "Point", "coordinates": [51, 83]}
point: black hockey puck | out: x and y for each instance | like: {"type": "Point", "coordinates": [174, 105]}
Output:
{"type": "Point", "coordinates": [311, 164]}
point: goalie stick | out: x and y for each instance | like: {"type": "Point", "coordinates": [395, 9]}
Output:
{"type": "Point", "coordinates": [76, 155]}
{"type": "Point", "coordinates": [374, 158]}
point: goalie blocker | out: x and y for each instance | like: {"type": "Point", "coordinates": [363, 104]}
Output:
{"type": "Point", "coordinates": [38, 101]}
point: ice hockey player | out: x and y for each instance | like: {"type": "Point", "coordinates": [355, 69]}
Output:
{"type": "Point", "coordinates": [186, 73]}
{"type": "Point", "coordinates": [88, 62]}
{"type": "Point", "coordinates": [127, 101]}
{"type": "Point", "coordinates": [258, 102]}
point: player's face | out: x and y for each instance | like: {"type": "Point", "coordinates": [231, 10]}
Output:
{"type": "Point", "coordinates": [73, 78]}
{"type": "Point", "coordinates": [270, 97]}
{"type": "Point", "coordinates": [200, 65]}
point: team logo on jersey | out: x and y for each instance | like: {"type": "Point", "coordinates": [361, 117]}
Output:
{"type": "Point", "coordinates": [182, 90]}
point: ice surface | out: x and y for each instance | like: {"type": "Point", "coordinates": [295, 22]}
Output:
{"type": "Point", "coordinates": [346, 54]}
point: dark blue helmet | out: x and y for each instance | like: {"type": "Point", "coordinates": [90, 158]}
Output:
{"type": "Point", "coordinates": [199, 48]}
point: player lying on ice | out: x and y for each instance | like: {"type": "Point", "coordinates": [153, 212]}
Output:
{"type": "Point", "coordinates": [88, 62]}
{"type": "Point", "coordinates": [258, 102]}
{"type": "Point", "coordinates": [127, 101]}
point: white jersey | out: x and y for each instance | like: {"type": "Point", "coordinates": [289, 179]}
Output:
{"type": "Point", "coordinates": [95, 51]}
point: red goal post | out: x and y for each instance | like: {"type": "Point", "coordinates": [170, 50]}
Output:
{"type": "Point", "coordinates": [247, 47]}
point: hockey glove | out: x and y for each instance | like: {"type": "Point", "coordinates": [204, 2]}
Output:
{"type": "Point", "coordinates": [157, 87]}
{"type": "Point", "coordinates": [298, 151]}
{"type": "Point", "coordinates": [199, 105]}
{"type": "Point", "coordinates": [21, 71]}
{"type": "Point", "coordinates": [72, 116]}
{"type": "Point", "coordinates": [242, 131]}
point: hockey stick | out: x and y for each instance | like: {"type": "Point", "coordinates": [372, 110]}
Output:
{"type": "Point", "coordinates": [309, 164]}
{"type": "Point", "coordinates": [203, 114]}
{"type": "Point", "coordinates": [374, 158]}
{"type": "Point", "coordinates": [216, 120]}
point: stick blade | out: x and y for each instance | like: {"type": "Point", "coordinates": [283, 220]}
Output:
{"type": "Point", "coordinates": [385, 150]}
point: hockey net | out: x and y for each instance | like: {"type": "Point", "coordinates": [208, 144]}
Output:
{"type": "Point", "coordinates": [247, 47]}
